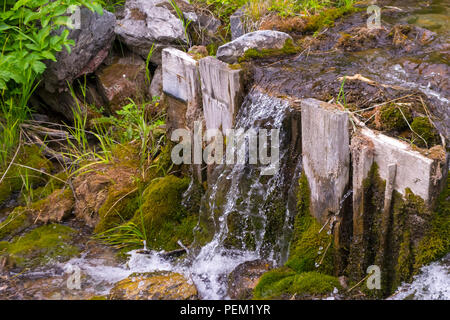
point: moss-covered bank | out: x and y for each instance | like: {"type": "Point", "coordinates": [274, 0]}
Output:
{"type": "Point", "coordinates": [40, 246]}
{"type": "Point", "coordinates": [162, 215]}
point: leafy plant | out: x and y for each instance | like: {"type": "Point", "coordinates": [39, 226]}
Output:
{"type": "Point", "coordinates": [31, 32]}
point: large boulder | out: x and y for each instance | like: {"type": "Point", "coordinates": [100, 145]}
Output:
{"type": "Point", "coordinates": [148, 22]}
{"type": "Point", "coordinates": [259, 40]}
{"type": "Point", "coordinates": [92, 43]}
{"type": "Point", "coordinates": [159, 285]}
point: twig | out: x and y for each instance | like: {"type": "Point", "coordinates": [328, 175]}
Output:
{"type": "Point", "coordinates": [323, 256]}
{"type": "Point", "coordinates": [365, 278]}
{"type": "Point", "coordinates": [40, 171]}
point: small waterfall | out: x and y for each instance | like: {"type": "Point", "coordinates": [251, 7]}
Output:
{"type": "Point", "coordinates": [251, 214]}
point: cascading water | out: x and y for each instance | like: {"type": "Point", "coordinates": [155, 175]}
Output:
{"type": "Point", "coordinates": [239, 204]}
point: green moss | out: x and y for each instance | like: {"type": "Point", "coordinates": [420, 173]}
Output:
{"type": "Point", "coordinates": [119, 207]}
{"type": "Point", "coordinates": [164, 218]}
{"type": "Point", "coordinates": [422, 127]}
{"type": "Point", "coordinates": [29, 156]}
{"type": "Point", "coordinates": [281, 283]}
{"type": "Point", "coordinates": [300, 274]}
{"type": "Point", "coordinates": [212, 48]}
{"type": "Point", "coordinates": [436, 242]}
{"type": "Point", "coordinates": [307, 240]}
{"type": "Point", "coordinates": [16, 222]}
{"type": "Point", "coordinates": [405, 261]}
{"type": "Point", "coordinates": [287, 49]}
{"type": "Point", "coordinates": [41, 246]}
{"type": "Point", "coordinates": [327, 18]}
{"type": "Point", "coordinates": [392, 118]}
{"type": "Point", "coordinates": [274, 283]}
{"type": "Point", "coordinates": [314, 283]}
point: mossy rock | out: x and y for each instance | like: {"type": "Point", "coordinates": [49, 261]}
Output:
{"type": "Point", "coordinates": [274, 283]}
{"type": "Point", "coordinates": [163, 216]}
{"type": "Point", "coordinates": [282, 283]}
{"type": "Point", "coordinates": [158, 285]}
{"type": "Point", "coordinates": [394, 117]}
{"type": "Point", "coordinates": [43, 245]}
{"type": "Point", "coordinates": [287, 49]}
{"type": "Point", "coordinates": [314, 283]}
{"type": "Point", "coordinates": [424, 132]}
{"type": "Point", "coordinates": [16, 222]}
{"type": "Point", "coordinates": [119, 207]}
{"type": "Point", "coordinates": [29, 156]}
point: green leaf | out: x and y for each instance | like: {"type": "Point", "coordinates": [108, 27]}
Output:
{"type": "Point", "coordinates": [30, 16]}
{"type": "Point", "coordinates": [19, 4]}
{"type": "Point", "coordinates": [38, 67]}
{"type": "Point", "coordinates": [63, 21]}
{"type": "Point", "coordinates": [4, 26]}
{"type": "Point", "coordinates": [45, 21]}
{"type": "Point", "coordinates": [48, 55]}
{"type": "Point", "coordinates": [97, 8]}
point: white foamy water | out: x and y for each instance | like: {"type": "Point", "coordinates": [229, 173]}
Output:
{"type": "Point", "coordinates": [432, 283]}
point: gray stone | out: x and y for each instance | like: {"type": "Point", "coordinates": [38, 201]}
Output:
{"type": "Point", "coordinates": [148, 22]}
{"type": "Point", "coordinates": [326, 156]}
{"type": "Point", "coordinates": [262, 39]}
{"type": "Point", "coordinates": [221, 91]}
{"type": "Point", "coordinates": [209, 22]}
{"type": "Point", "coordinates": [92, 43]}
{"type": "Point", "coordinates": [237, 25]}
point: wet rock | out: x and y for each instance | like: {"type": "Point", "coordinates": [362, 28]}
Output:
{"type": "Point", "coordinates": [245, 277]}
{"type": "Point", "coordinates": [150, 22]}
{"type": "Point", "coordinates": [41, 246]}
{"type": "Point", "coordinates": [123, 78]}
{"type": "Point", "coordinates": [263, 39]}
{"type": "Point", "coordinates": [92, 43]}
{"type": "Point", "coordinates": [160, 285]}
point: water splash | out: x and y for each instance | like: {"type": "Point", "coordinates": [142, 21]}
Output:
{"type": "Point", "coordinates": [432, 283]}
